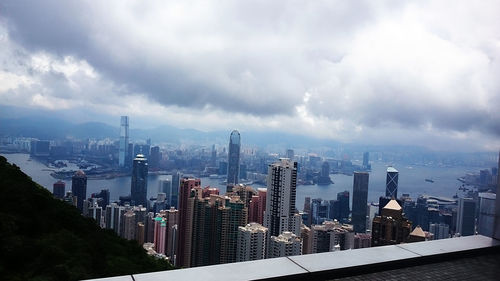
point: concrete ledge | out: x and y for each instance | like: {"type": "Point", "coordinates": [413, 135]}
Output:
{"type": "Point", "coordinates": [333, 264]}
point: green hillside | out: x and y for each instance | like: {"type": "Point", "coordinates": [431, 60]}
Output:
{"type": "Point", "coordinates": [42, 238]}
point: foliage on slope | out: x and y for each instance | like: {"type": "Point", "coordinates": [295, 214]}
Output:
{"type": "Point", "coordinates": [43, 238]}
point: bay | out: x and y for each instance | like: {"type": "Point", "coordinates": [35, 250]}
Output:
{"type": "Point", "coordinates": [411, 181]}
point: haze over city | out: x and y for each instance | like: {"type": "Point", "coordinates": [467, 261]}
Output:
{"type": "Point", "coordinates": [420, 73]}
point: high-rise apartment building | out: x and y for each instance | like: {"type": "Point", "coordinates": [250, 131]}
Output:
{"type": "Point", "coordinates": [172, 216]}
{"type": "Point", "coordinates": [280, 201]}
{"type": "Point", "coordinates": [233, 158]}
{"type": "Point", "coordinates": [284, 245]}
{"type": "Point", "coordinates": [360, 201]}
{"type": "Point", "coordinates": [139, 182]}
{"type": "Point", "coordinates": [391, 183]}
{"type": "Point", "coordinates": [160, 234]}
{"type": "Point", "coordinates": [176, 180]}
{"type": "Point", "coordinates": [79, 188]}
{"type": "Point", "coordinates": [129, 225]}
{"type": "Point", "coordinates": [252, 241]}
{"type": "Point", "coordinates": [59, 189]}
{"type": "Point", "coordinates": [466, 217]}
{"type": "Point", "coordinates": [185, 220]}
{"type": "Point", "coordinates": [124, 145]}
{"type": "Point", "coordinates": [329, 234]}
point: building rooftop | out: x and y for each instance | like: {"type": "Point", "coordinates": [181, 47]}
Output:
{"type": "Point", "coordinates": [465, 258]}
{"type": "Point", "coordinates": [393, 205]}
{"type": "Point", "coordinates": [418, 232]}
{"type": "Point", "coordinates": [391, 169]}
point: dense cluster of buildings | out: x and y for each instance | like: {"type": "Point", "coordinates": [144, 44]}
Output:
{"type": "Point", "coordinates": [193, 225]}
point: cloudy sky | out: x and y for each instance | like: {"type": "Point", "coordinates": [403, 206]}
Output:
{"type": "Point", "coordinates": [382, 72]}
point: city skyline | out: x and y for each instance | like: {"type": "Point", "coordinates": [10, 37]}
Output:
{"type": "Point", "coordinates": [399, 74]}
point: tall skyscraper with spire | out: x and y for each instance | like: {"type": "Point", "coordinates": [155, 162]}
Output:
{"type": "Point", "coordinates": [391, 183]}
{"type": "Point", "coordinates": [139, 182]}
{"type": "Point", "coordinates": [123, 149]}
{"type": "Point", "coordinates": [233, 167]}
{"type": "Point", "coordinates": [280, 201]}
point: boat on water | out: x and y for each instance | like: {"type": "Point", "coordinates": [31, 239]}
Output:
{"type": "Point", "coordinates": [429, 180]}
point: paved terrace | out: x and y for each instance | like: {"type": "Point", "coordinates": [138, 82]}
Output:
{"type": "Point", "coordinates": [465, 258]}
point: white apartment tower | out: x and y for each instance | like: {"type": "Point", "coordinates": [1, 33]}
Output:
{"type": "Point", "coordinates": [284, 245]}
{"type": "Point", "coordinates": [280, 202]}
{"type": "Point", "coordinates": [252, 241]}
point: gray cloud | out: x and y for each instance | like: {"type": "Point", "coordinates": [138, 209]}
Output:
{"type": "Point", "coordinates": [362, 64]}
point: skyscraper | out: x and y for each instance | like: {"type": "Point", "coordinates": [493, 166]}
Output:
{"type": "Point", "coordinates": [59, 189]}
{"type": "Point", "coordinates": [390, 227]}
{"type": "Point", "coordinates": [359, 201]}
{"type": "Point", "coordinates": [466, 216]}
{"type": "Point", "coordinates": [343, 201]}
{"type": "Point", "coordinates": [391, 183]}
{"type": "Point", "coordinates": [139, 182]}
{"type": "Point", "coordinates": [366, 160]}
{"type": "Point", "coordinates": [155, 157]}
{"type": "Point", "coordinates": [185, 220]}
{"type": "Point", "coordinates": [123, 149]}
{"type": "Point", "coordinates": [486, 219]}
{"type": "Point", "coordinates": [176, 180]}
{"type": "Point", "coordinates": [79, 188]}
{"type": "Point", "coordinates": [252, 241]}
{"type": "Point", "coordinates": [280, 201]}
{"type": "Point", "coordinates": [233, 158]}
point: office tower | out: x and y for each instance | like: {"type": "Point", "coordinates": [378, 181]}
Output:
{"type": "Point", "coordinates": [129, 225]}
{"type": "Point", "coordinates": [166, 187]}
{"type": "Point", "coordinates": [102, 197]}
{"type": "Point", "coordinates": [391, 183]}
{"type": "Point", "coordinates": [366, 160]}
{"type": "Point", "coordinates": [280, 201]}
{"type": "Point", "coordinates": [290, 154]}
{"type": "Point", "coordinates": [284, 245]}
{"type": "Point", "coordinates": [213, 157]}
{"type": "Point", "coordinates": [319, 211]}
{"type": "Point", "coordinates": [343, 201]}
{"type": "Point", "coordinates": [185, 221]}
{"type": "Point", "coordinates": [140, 233]}
{"type": "Point", "coordinates": [233, 158]}
{"type": "Point", "coordinates": [243, 171]}
{"type": "Point", "coordinates": [79, 188]}
{"type": "Point", "coordinates": [417, 235]}
{"type": "Point", "coordinates": [306, 236]}
{"type": "Point", "coordinates": [143, 149]}
{"type": "Point", "coordinates": [330, 234]}
{"type": "Point", "coordinates": [172, 216]}
{"type": "Point", "coordinates": [362, 240]}
{"type": "Point", "coordinates": [70, 199]}
{"type": "Point", "coordinates": [176, 180]}
{"type": "Point", "coordinates": [486, 217]}
{"type": "Point", "coordinates": [439, 230]}
{"type": "Point", "coordinates": [307, 211]}
{"type": "Point", "coordinates": [324, 176]}
{"type": "Point", "coordinates": [391, 227]}
{"type": "Point", "coordinates": [252, 241]}
{"type": "Point", "coordinates": [359, 201]}
{"type": "Point", "coordinates": [139, 182]}
{"type": "Point", "coordinates": [59, 189]}
{"type": "Point", "coordinates": [222, 168]}
{"type": "Point", "coordinates": [466, 216]}
{"type": "Point", "coordinates": [124, 145]}
{"type": "Point", "coordinates": [155, 157]}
